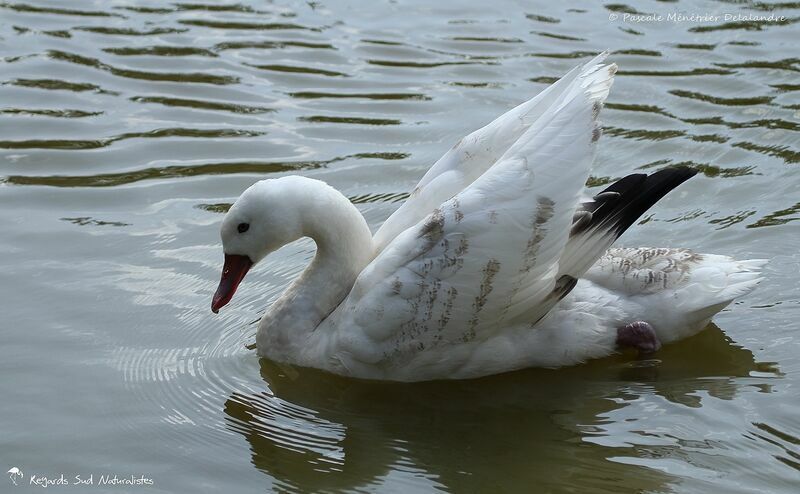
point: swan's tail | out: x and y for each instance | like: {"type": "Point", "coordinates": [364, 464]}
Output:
{"type": "Point", "coordinates": [717, 282]}
{"type": "Point", "coordinates": [713, 285]}
{"type": "Point", "coordinates": [676, 290]}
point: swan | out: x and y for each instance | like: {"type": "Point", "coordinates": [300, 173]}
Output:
{"type": "Point", "coordinates": [495, 262]}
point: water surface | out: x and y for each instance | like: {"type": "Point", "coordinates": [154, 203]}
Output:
{"type": "Point", "coordinates": [127, 128]}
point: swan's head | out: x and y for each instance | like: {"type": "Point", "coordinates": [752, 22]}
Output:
{"type": "Point", "coordinates": [262, 220]}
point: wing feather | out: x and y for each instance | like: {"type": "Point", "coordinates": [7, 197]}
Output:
{"type": "Point", "coordinates": [470, 157]}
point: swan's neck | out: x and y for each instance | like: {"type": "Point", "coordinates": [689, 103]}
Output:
{"type": "Point", "coordinates": [344, 248]}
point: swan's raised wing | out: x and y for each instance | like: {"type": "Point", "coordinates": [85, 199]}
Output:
{"type": "Point", "coordinates": [480, 150]}
{"type": "Point", "coordinates": [489, 256]}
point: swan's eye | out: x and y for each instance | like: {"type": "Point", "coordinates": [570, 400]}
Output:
{"type": "Point", "coordinates": [243, 227]}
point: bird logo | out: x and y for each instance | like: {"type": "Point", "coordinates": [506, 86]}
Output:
{"type": "Point", "coordinates": [14, 473]}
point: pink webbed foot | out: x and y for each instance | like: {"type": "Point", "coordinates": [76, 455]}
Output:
{"type": "Point", "coordinates": [639, 335]}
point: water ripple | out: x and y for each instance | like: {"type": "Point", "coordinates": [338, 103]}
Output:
{"type": "Point", "coordinates": [271, 45]}
{"type": "Point", "coordinates": [780, 217]}
{"type": "Point", "coordinates": [368, 96]}
{"type": "Point", "coordinates": [201, 104]}
{"type": "Point", "coordinates": [191, 77]}
{"type": "Point", "coordinates": [644, 134]}
{"type": "Point", "coordinates": [421, 65]}
{"type": "Point", "coordinates": [349, 120]}
{"type": "Point", "coordinates": [480, 39]}
{"type": "Point", "coordinates": [717, 100]}
{"type": "Point", "coordinates": [790, 64]}
{"type": "Point", "coordinates": [786, 153]}
{"type": "Point", "coordinates": [210, 7]}
{"type": "Point", "coordinates": [675, 73]}
{"type": "Point", "coordinates": [59, 85]}
{"type": "Point", "coordinates": [268, 26]}
{"type": "Point", "coordinates": [125, 31]}
{"type": "Point", "coordinates": [26, 8]}
{"type": "Point", "coordinates": [293, 69]}
{"type": "Point", "coordinates": [542, 18]}
{"type": "Point", "coordinates": [754, 25]}
{"type": "Point", "coordinates": [153, 134]}
{"type": "Point", "coordinates": [66, 113]}
{"type": "Point", "coordinates": [559, 36]}
{"type": "Point", "coordinates": [161, 51]}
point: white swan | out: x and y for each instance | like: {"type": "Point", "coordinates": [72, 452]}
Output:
{"type": "Point", "coordinates": [494, 263]}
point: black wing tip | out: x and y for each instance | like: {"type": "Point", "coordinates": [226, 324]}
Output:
{"type": "Point", "coordinates": [620, 204]}
{"type": "Point", "coordinates": [681, 173]}
{"type": "Point", "coordinates": [652, 189]}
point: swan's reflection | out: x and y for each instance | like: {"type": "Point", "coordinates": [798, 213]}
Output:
{"type": "Point", "coordinates": [313, 431]}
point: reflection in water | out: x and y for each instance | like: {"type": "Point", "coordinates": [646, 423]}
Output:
{"type": "Point", "coordinates": [311, 430]}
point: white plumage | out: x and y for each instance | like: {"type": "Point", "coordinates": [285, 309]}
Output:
{"type": "Point", "coordinates": [491, 265]}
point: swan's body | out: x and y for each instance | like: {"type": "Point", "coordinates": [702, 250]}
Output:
{"type": "Point", "coordinates": [494, 263]}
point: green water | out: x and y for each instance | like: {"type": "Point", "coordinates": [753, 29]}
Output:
{"type": "Point", "coordinates": [127, 127]}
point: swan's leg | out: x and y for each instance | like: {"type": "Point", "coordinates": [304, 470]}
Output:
{"type": "Point", "coordinates": [639, 335]}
